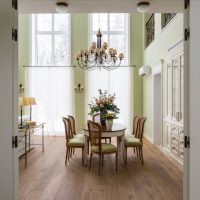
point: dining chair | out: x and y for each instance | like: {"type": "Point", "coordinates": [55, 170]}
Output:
{"type": "Point", "coordinates": [71, 141]}
{"type": "Point", "coordinates": [96, 118]}
{"type": "Point", "coordinates": [73, 127]}
{"type": "Point", "coordinates": [136, 124]}
{"type": "Point", "coordinates": [74, 132]}
{"type": "Point", "coordinates": [135, 128]}
{"type": "Point", "coordinates": [97, 147]}
{"type": "Point", "coordinates": [137, 141]}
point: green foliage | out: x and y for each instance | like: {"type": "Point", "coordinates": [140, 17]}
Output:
{"type": "Point", "coordinates": [109, 116]}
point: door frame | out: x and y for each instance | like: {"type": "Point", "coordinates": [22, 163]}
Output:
{"type": "Point", "coordinates": [190, 98]}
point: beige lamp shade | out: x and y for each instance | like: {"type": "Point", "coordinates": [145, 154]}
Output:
{"type": "Point", "coordinates": [23, 101]}
{"type": "Point", "coordinates": [31, 101]}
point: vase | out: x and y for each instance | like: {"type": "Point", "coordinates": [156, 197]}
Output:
{"type": "Point", "coordinates": [102, 120]}
{"type": "Point", "coordinates": [109, 123]}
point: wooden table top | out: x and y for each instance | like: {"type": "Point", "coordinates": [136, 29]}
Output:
{"type": "Point", "coordinates": [115, 128]}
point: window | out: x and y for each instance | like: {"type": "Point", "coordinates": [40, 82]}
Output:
{"type": "Point", "coordinates": [166, 18]}
{"type": "Point", "coordinates": [50, 80]}
{"type": "Point", "coordinates": [115, 30]}
{"type": "Point", "coordinates": [150, 30]}
{"type": "Point", "coordinates": [51, 39]}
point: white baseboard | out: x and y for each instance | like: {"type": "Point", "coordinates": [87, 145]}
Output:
{"type": "Point", "coordinates": [150, 139]}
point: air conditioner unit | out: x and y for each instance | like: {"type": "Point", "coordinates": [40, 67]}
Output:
{"type": "Point", "coordinates": [145, 70]}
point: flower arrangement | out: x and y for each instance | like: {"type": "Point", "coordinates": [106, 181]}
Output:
{"type": "Point", "coordinates": [105, 102]}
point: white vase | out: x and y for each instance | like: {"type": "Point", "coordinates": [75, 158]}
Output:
{"type": "Point", "coordinates": [109, 123]}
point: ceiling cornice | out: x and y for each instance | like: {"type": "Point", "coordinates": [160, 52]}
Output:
{"type": "Point", "coordinates": [91, 6]}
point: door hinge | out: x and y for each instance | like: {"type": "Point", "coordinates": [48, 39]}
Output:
{"type": "Point", "coordinates": [14, 142]}
{"type": "Point", "coordinates": [187, 142]}
{"type": "Point", "coordinates": [187, 34]}
{"type": "Point", "coordinates": [14, 34]}
{"type": "Point", "coordinates": [14, 4]}
{"type": "Point", "coordinates": [187, 4]}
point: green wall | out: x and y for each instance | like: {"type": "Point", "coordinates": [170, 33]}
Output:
{"type": "Point", "coordinates": [79, 34]}
{"type": "Point", "coordinates": [136, 58]}
{"type": "Point", "coordinates": [23, 47]}
{"type": "Point", "coordinates": [79, 41]}
{"type": "Point", "coordinates": [158, 49]}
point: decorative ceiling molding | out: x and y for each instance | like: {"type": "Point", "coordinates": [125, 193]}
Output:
{"type": "Point", "coordinates": [91, 6]}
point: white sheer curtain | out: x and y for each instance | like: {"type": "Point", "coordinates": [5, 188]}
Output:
{"type": "Point", "coordinates": [52, 90]}
{"type": "Point", "coordinates": [50, 79]}
{"type": "Point", "coordinates": [119, 81]}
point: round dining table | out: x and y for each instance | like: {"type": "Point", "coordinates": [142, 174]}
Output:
{"type": "Point", "coordinates": [117, 130]}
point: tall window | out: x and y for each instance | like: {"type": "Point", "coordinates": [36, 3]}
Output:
{"type": "Point", "coordinates": [49, 80]}
{"type": "Point", "coordinates": [115, 30]}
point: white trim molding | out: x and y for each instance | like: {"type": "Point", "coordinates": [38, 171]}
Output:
{"type": "Point", "coordinates": [157, 67]}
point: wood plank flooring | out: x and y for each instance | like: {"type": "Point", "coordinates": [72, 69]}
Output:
{"type": "Point", "coordinates": [47, 178]}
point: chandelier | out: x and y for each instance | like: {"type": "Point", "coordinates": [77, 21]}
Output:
{"type": "Point", "coordinates": [99, 56]}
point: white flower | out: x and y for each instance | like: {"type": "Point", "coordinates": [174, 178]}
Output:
{"type": "Point", "coordinates": [101, 105]}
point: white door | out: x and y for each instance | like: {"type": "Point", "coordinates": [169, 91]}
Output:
{"type": "Point", "coordinates": [186, 107]}
{"type": "Point", "coordinates": [8, 102]}
{"type": "Point", "coordinates": [194, 100]}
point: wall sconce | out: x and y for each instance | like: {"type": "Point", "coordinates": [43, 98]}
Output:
{"type": "Point", "coordinates": [21, 88]}
{"type": "Point", "coordinates": [79, 88]}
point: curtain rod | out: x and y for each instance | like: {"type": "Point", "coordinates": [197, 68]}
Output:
{"type": "Point", "coordinates": [29, 66]}
{"type": "Point", "coordinates": [36, 66]}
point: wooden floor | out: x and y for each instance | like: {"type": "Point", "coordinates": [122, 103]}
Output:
{"type": "Point", "coordinates": [46, 176]}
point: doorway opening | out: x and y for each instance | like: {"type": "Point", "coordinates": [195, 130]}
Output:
{"type": "Point", "coordinates": [157, 109]}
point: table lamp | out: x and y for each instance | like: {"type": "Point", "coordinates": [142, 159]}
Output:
{"type": "Point", "coordinates": [22, 102]}
{"type": "Point", "coordinates": [31, 101]}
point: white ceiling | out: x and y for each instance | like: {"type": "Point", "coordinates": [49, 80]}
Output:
{"type": "Point", "coordinates": [90, 6]}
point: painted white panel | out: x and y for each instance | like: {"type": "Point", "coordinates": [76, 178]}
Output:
{"type": "Point", "coordinates": [194, 100]}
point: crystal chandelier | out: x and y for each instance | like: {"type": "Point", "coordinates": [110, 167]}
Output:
{"type": "Point", "coordinates": [99, 56]}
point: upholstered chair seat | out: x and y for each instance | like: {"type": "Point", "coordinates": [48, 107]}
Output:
{"type": "Point", "coordinates": [132, 141]}
{"type": "Point", "coordinates": [105, 148]}
{"type": "Point", "coordinates": [74, 142]}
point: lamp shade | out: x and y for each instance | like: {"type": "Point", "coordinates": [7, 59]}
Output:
{"type": "Point", "coordinates": [31, 101]}
{"type": "Point", "coordinates": [23, 101]}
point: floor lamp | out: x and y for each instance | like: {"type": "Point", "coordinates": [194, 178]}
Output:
{"type": "Point", "coordinates": [22, 102]}
{"type": "Point", "coordinates": [31, 101]}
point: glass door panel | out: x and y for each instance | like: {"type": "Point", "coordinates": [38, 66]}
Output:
{"type": "Point", "coordinates": [182, 88]}
{"type": "Point", "coordinates": [175, 89]}
{"type": "Point", "coordinates": [169, 89]}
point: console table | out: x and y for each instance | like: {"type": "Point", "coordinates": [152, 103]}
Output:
{"type": "Point", "coordinates": [25, 137]}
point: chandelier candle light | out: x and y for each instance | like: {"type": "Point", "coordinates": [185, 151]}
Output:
{"type": "Point", "coordinates": [97, 56]}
